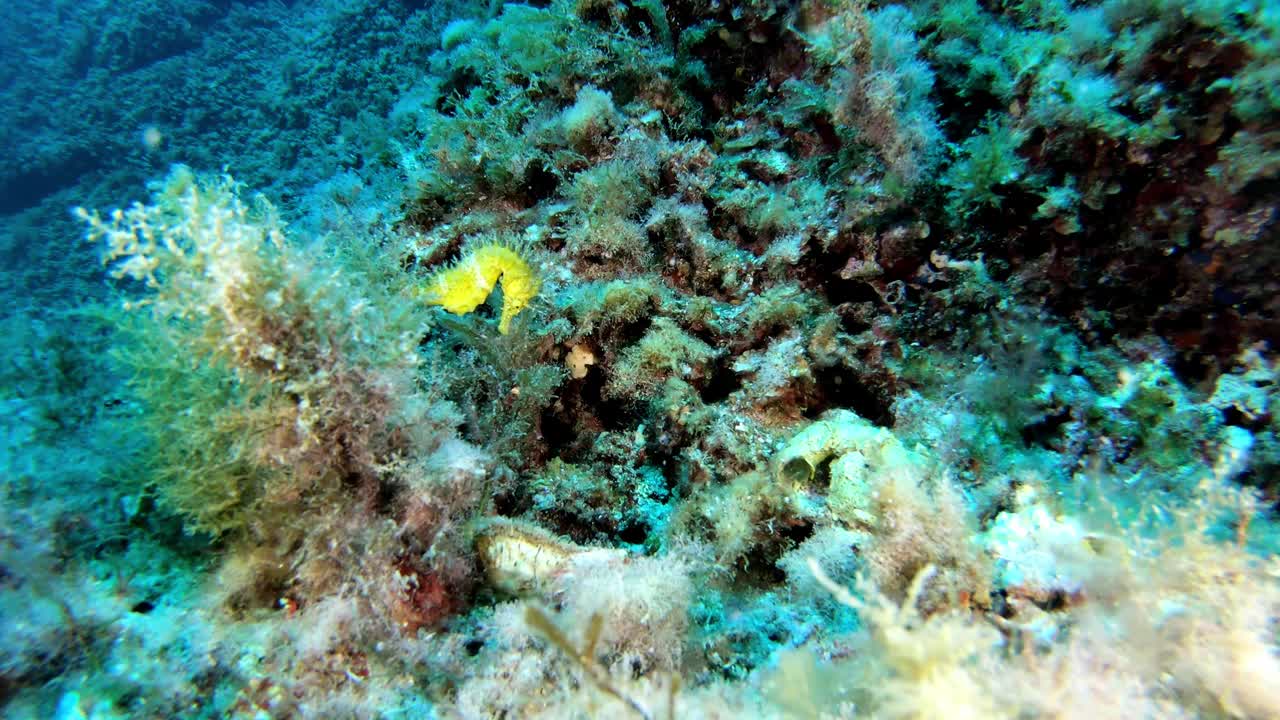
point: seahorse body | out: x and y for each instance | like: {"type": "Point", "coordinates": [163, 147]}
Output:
{"type": "Point", "coordinates": [462, 287]}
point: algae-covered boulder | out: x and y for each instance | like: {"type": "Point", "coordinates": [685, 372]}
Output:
{"type": "Point", "coordinates": [911, 513]}
{"type": "Point", "coordinates": [861, 457]}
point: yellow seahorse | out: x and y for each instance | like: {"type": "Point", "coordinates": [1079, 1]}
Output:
{"type": "Point", "coordinates": [463, 286]}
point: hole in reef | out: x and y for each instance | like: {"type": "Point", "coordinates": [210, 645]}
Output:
{"type": "Point", "coordinates": [634, 533]}
{"type": "Point", "coordinates": [760, 567]}
{"type": "Point", "coordinates": [1000, 603]}
{"type": "Point", "coordinates": [619, 414]}
{"type": "Point", "coordinates": [1233, 416]}
{"type": "Point", "coordinates": [723, 382]}
{"type": "Point", "coordinates": [840, 387]}
{"type": "Point", "coordinates": [557, 429]}
{"type": "Point", "coordinates": [795, 471]}
{"type": "Point", "coordinates": [597, 15]}
{"type": "Point", "coordinates": [510, 504]}
{"type": "Point", "coordinates": [458, 85]}
{"type": "Point", "coordinates": [821, 477]}
{"type": "Point", "coordinates": [840, 291]}
{"type": "Point", "coordinates": [964, 113]}
{"type": "Point", "coordinates": [615, 414]}
{"type": "Point", "coordinates": [539, 183]}
{"type": "Point", "coordinates": [1040, 432]}
{"type": "Point", "coordinates": [584, 411]}
{"type": "Point", "coordinates": [638, 21]}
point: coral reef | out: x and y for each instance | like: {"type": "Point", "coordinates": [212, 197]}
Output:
{"type": "Point", "coordinates": [629, 358]}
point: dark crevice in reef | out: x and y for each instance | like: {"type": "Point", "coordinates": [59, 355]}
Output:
{"type": "Point", "coordinates": [964, 113]}
{"type": "Point", "coordinates": [824, 275]}
{"type": "Point", "coordinates": [634, 533]}
{"type": "Point", "coordinates": [759, 568]}
{"type": "Point", "coordinates": [458, 85]}
{"type": "Point", "coordinates": [840, 387]}
{"type": "Point", "coordinates": [26, 188]}
{"type": "Point", "coordinates": [723, 382]}
{"type": "Point", "coordinates": [1045, 430]}
{"type": "Point", "coordinates": [540, 183]}
{"type": "Point", "coordinates": [613, 413]}
{"type": "Point", "coordinates": [735, 52]}
{"type": "Point", "coordinates": [558, 431]}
